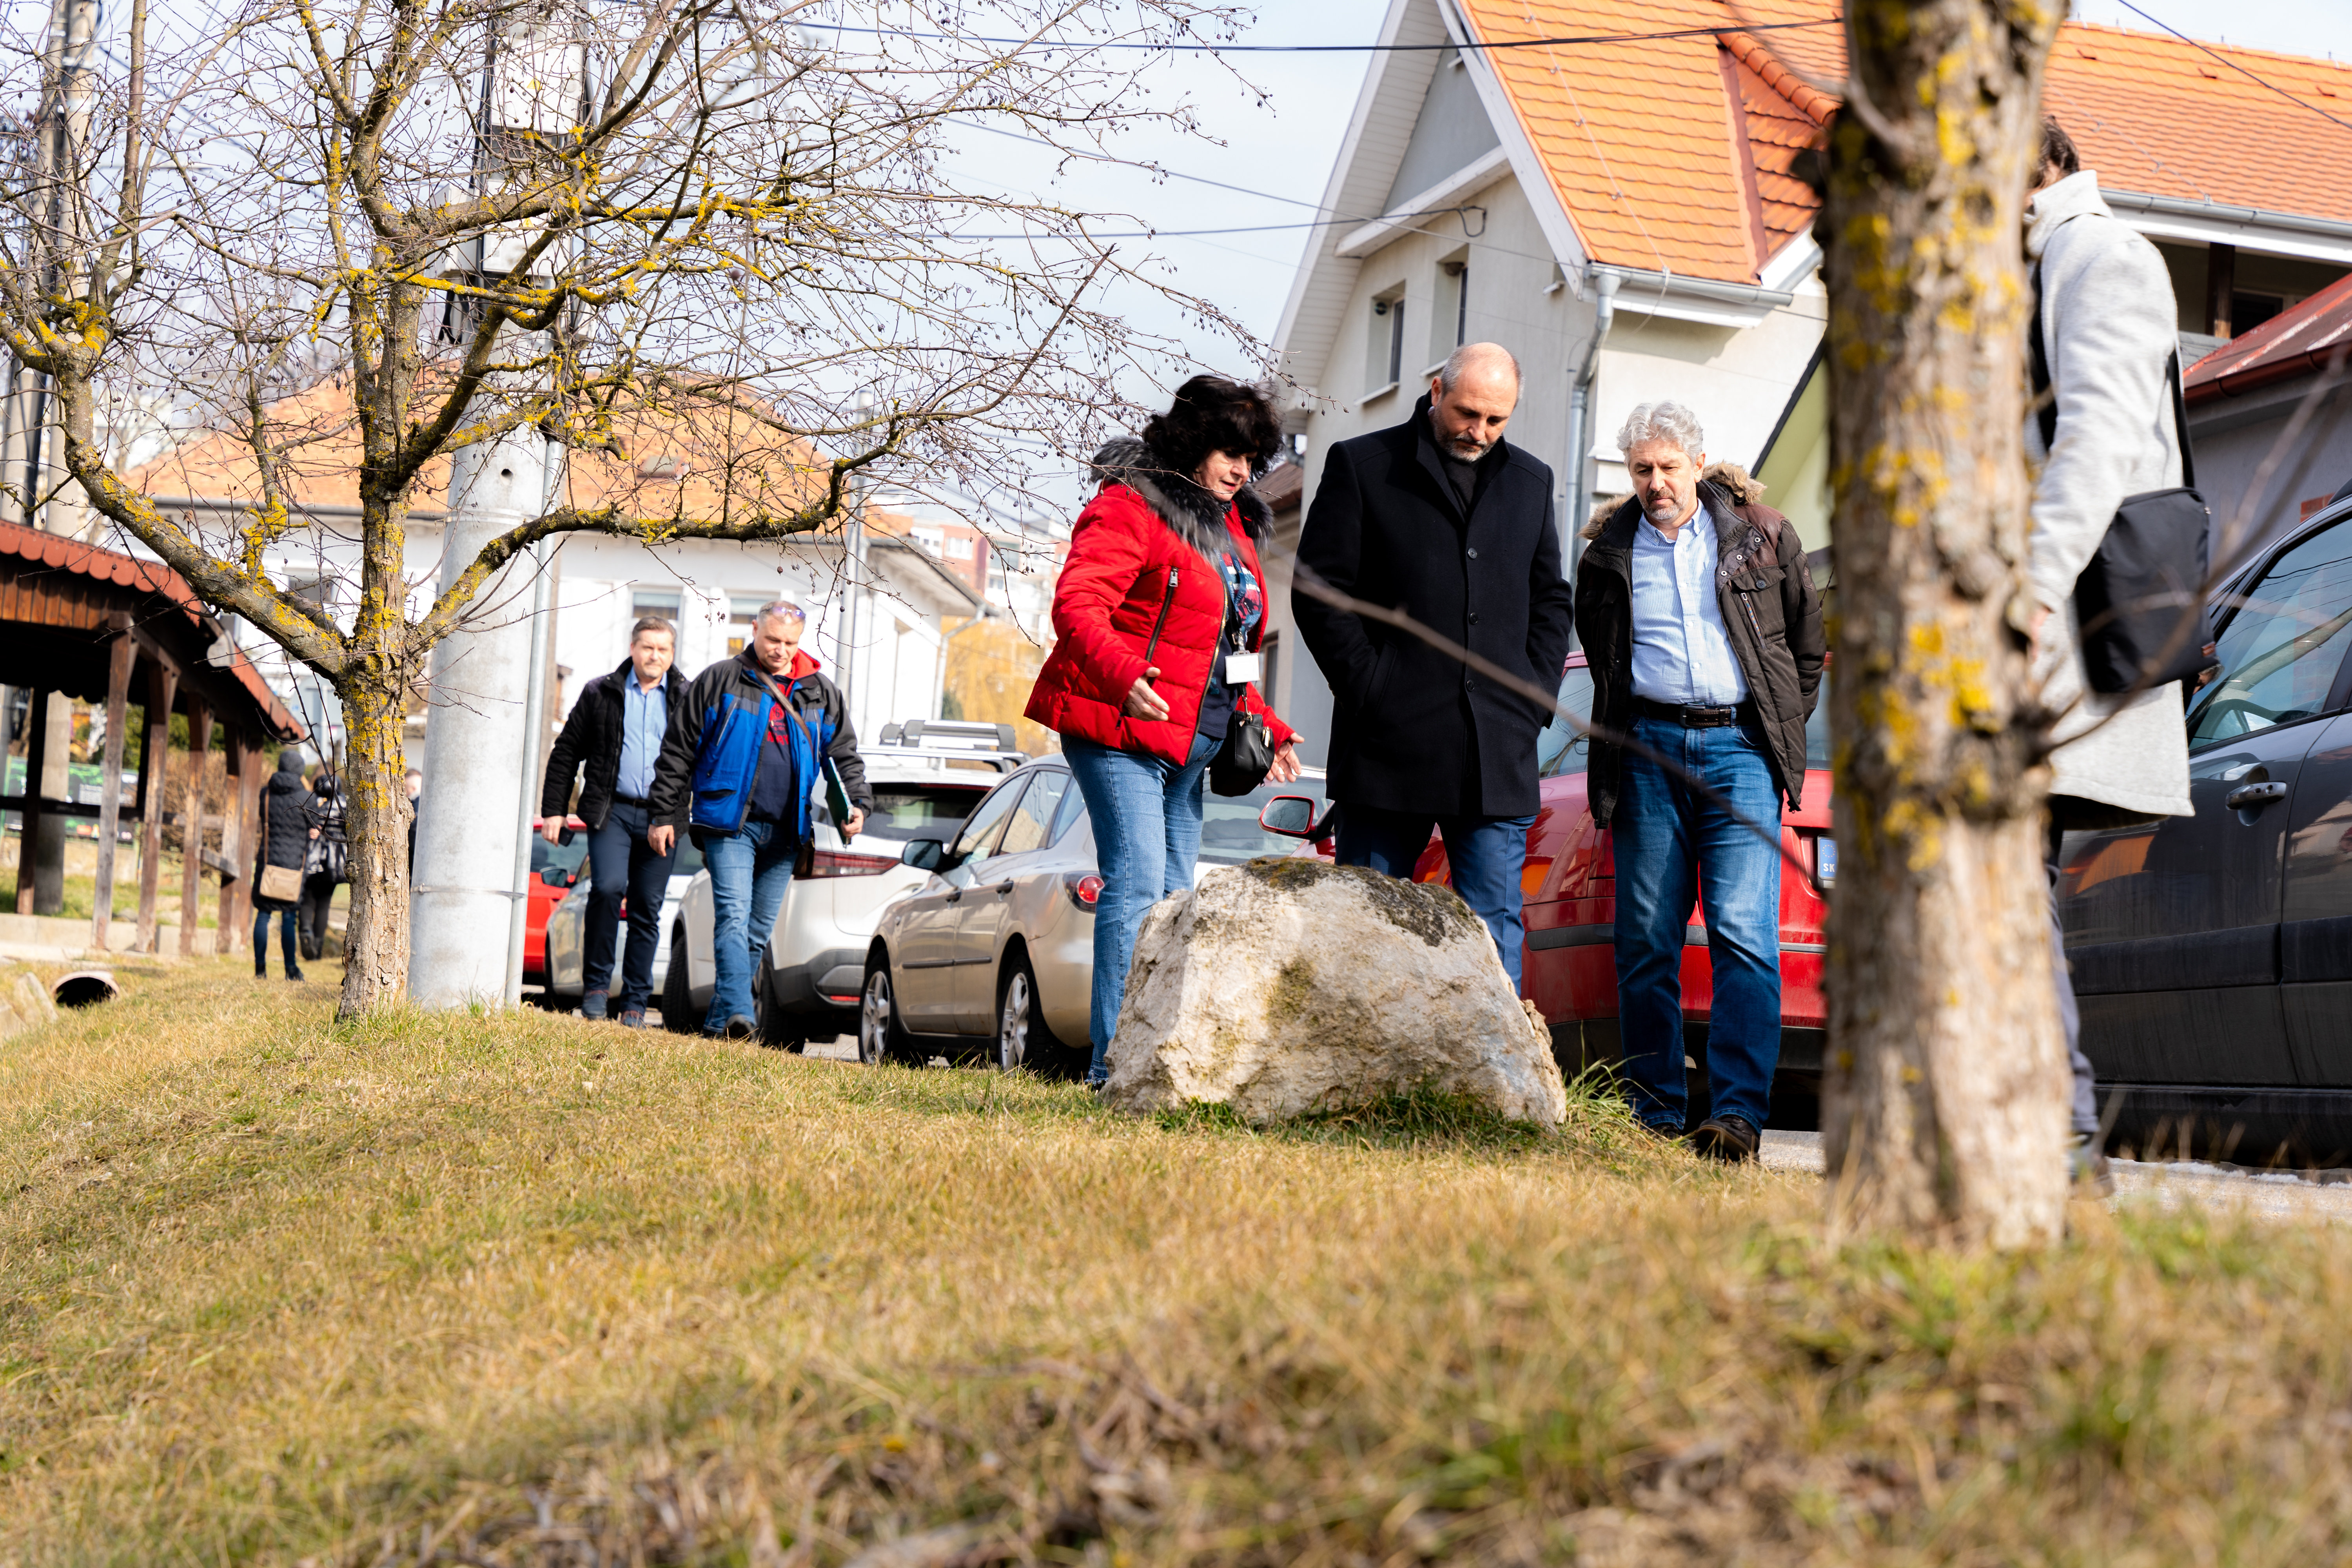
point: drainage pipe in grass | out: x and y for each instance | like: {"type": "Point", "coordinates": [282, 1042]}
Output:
{"type": "Point", "coordinates": [534, 721]}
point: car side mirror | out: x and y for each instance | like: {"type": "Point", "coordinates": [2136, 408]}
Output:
{"type": "Point", "coordinates": [556, 877]}
{"type": "Point", "coordinates": [1291, 816]}
{"type": "Point", "coordinates": [923, 854]}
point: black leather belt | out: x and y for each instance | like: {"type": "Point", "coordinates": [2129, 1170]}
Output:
{"type": "Point", "coordinates": [631, 800]}
{"type": "Point", "coordinates": [1693, 718]}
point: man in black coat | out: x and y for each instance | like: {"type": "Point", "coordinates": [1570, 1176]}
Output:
{"type": "Point", "coordinates": [615, 730]}
{"type": "Point", "coordinates": [1443, 519]}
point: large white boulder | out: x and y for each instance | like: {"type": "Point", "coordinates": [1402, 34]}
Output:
{"type": "Point", "coordinates": [1284, 987]}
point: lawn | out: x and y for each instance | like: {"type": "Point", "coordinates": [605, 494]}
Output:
{"type": "Point", "coordinates": [523, 1288]}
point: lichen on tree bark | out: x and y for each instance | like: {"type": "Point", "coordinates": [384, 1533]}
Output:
{"type": "Point", "coordinates": [1945, 1090]}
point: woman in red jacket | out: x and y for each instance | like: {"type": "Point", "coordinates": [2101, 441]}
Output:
{"type": "Point", "coordinates": [1158, 618]}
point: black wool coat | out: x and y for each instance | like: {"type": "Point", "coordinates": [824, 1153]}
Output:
{"type": "Point", "coordinates": [1413, 728]}
{"type": "Point", "coordinates": [289, 812]}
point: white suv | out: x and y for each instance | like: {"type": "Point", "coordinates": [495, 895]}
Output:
{"type": "Point", "coordinates": [926, 778]}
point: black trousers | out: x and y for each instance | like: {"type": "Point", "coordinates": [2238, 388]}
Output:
{"type": "Point", "coordinates": [621, 864]}
{"type": "Point", "coordinates": [318, 892]}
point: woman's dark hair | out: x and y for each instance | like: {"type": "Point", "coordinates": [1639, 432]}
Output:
{"type": "Point", "coordinates": [1213, 415]}
{"type": "Point", "coordinates": [2058, 148]}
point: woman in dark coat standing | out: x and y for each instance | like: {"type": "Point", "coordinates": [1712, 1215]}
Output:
{"type": "Point", "coordinates": [326, 865]}
{"type": "Point", "coordinates": [289, 820]}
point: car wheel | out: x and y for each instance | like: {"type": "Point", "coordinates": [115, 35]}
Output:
{"type": "Point", "coordinates": [678, 1015]}
{"type": "Point", "coordinates": [1023, 1040]}
{"type": "Point", "coordinates": [880, 1035]}
{"type": "Point", "coordinates": [772, 1027]}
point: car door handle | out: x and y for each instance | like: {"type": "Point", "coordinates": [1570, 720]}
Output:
{"type": "Point", "coordinates": [954, 896]}
{"type": "Point", "coordinates": [2253, 797]}
{"type": "Point", "coordinates": [1001, 889]}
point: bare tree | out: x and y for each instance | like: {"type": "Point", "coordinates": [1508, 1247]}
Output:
{"type": "Point", "coordinates": [469, 218]}
{"type": "Point", "coordinates": [1947, 1089]}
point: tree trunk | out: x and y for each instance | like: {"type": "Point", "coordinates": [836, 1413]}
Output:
{"type": "Point", "coordinates": [376, 939]}
{"type": "Point", "coordinates": [1945, 1101]}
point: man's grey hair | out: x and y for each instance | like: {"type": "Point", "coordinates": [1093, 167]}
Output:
{"type": "Point", "coordinates": [1663, 422]}
{"type": "Point", "coordinates": [1463, 358]}
{"type": "Point", "coordinates": [779, 610]}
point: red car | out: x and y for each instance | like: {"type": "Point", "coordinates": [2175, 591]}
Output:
{"type": "Point", "coordinates": [1569, 964]}
{"type": "Point", "coordinates": [553, 868]}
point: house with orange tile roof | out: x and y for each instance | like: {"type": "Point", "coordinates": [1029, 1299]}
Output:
{"type": "Point", "coordinates": [2270, 416]}
{"type": "Point", "coordinates": [876, 599]}
{"type": "Point", "coordinates": [1621, 192]}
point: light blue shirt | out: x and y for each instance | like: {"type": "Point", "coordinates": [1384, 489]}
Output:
{"type": "Point", "coordinates": [644, 717]}
{"type": "Point", "coordinates": [1681, 652]}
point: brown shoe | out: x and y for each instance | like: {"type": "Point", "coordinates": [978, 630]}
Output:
{"type": "Point", "coordinates": [1725, 1138]}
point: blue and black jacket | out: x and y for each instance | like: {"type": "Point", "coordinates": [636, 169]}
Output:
{"type": "Point", "coordinates": [703, 786]}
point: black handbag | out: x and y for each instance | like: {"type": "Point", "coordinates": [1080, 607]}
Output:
{"type": "Point", "coordinates": [2140, 603]}
{"type": "Point", "coordinates": [1242, 764]}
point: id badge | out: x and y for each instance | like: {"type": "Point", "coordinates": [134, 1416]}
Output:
{"type": "Point", "coordinates": [1241, 668]}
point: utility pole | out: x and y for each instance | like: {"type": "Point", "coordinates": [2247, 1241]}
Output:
{"type": "Point", "coordinates": [482, 733]}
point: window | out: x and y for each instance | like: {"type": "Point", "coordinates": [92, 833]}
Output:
{"type": "Point", "coordinates": [2281, 651]}
{"type": "Point", "coordinates": [2248, 311]}
{"type": "Point", "coordinates": [977, 841]}
{"type": "Point", "coordinates": [1562, 748]}
{"type": "Point", "coordinates": [1451, 329]}
{"type": "Point", "coordinates": [662, 602]}
{"type": "Point", "coordinates": [1384, 348]}
{"type": "Point", "coordinates": [920, 811]}
{"type": "Point", "coordinates": [1029, 828]}
{"type": "Point", "coordinates": [740, 609]}
{"type": "Point", "coordinates": [1272, 650]}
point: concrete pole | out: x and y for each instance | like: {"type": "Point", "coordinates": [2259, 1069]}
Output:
{"type": "Point", "coordinates": [535, 711]}
{"type": "Point", "coordinates": [476, 740]}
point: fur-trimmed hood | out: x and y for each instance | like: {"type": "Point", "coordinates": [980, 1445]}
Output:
{"type": "Point", "coordinates": [1192, 513]}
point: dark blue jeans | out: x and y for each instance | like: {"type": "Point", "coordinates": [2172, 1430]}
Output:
{"type": "Point", "coordinates": [621, 864]}
{"type": "Point", "coordinates": [287, 919]}
{"type": "Point", "coordinates": [749, 873]}
{"type": "Point", "coordinates": [1674, 848]}
{"type": "Point", "coordinates": [1146, 812]}
{"type": "Point", "coordinates": [1484, 853]}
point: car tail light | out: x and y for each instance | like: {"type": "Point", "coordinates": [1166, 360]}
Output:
{"type": "Point", "coordinates": [1084, 887]}
{"type": "Point", "coordinates": [833, 863]}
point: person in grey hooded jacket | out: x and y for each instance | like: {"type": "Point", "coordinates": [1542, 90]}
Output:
{"type": "Point", "coordinates": [2111, 326]}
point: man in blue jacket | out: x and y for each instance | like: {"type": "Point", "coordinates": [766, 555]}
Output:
{"type": "Point", "coordinates": [743, 755]}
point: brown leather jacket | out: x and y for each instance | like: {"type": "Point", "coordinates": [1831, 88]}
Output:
{"type": "Point", "coordinates": [1769, 610]}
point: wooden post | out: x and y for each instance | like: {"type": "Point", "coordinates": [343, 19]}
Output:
{"type": "Point", "coordinates": [124, 660]}
{"type": "Point", "coordinates": [2220, 281]}
{"type": "Point", "coordinates": [28, 832]}
{"type": "Point", "coordinates": [242, 818]}
{"type": "Point", "coordinates": [191, 832]}
{"type": "Point", "coordinates": [155, 747]}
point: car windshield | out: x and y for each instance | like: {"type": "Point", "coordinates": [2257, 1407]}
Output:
{"type": "Point", "coordinates": [1562, 748]}
{"type": "Point", "coordinates": [546, 856]}
{"type": "Point", "coordinates": [1229, 830]}
{"type": "Point", "coordinates": [905, 811]}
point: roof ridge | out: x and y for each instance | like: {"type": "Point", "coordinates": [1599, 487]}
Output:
{"type": "Point", "coordinates": [1801, 95]}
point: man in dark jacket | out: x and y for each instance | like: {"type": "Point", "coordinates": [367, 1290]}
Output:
{"type": "Point", "coordinates": [615, 730]}
{"type": "Point", "coordinates": [1704, 634]}
{"type": "Point", "coordinates": [1443, 519]}
{"type": "Point", "coordinates": [745, 750]}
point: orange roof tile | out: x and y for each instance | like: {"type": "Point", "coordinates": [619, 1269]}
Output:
{"type": "Point", "coordinates": [1640, 140]}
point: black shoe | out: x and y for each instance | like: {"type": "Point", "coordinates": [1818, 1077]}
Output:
{"type": "Point", "coordinates": [261, 971]}
{"type": "Point", "coordinates": [293, 974]}
{"type": "Point", "coordinates": [739, 1027]}
{"type": "Point", "coordinates": [1725, 1138]}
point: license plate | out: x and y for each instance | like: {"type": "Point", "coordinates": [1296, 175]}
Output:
{"type": "Point", "coordinates": [1825, 859]}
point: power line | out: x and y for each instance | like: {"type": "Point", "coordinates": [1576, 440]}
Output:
{"type": "Point", "coordinates": [2234, 66]}
{"type": "Point", "coordinates": [1565, 40]}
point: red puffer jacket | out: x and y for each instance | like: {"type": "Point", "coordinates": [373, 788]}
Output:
{"type": "Point", "coordinates": [1137, 551]}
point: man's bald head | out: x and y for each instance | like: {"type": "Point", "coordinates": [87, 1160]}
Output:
{"type": "Point", "coordinates": [1471, 399]}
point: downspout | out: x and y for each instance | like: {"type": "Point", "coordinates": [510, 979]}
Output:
{"type": "Point", "coordinates": [1579, 413]}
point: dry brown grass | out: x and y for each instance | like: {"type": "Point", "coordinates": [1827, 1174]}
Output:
{"type": "Point", "coordinates": [527, 1289]}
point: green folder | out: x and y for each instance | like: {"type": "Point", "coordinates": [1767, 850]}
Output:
{"type": "Point", "coordinates": [836, 799]}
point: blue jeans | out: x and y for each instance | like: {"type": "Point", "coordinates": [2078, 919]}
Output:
{"type": "Point", "coordinates": [749, 873]}
{"type": "Point", "coordinates": [287, 917]}
{"type": "Point", "coordinates": [1146, 812]}
{"type": "Point", "coordinates": [1673, 847]}
{"type": "Point", "coordinates": [1484, 853]}
{"type": "Point", "coordinates": [621, 864]}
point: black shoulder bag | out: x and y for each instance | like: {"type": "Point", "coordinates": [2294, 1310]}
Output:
{"type": "Point", "coordinates": [1241, 763]}
{"type": "Point", "coordinates": [2140, 603]}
